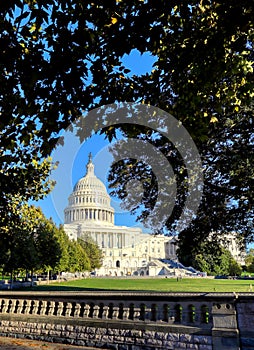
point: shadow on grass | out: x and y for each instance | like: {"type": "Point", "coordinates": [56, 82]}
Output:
{"type": "Point", "coordinates": [58, 289]}
{"type": "Point", "coordinates": [55, 288]}
{"type": "Point", "coordinates": [83, 289]}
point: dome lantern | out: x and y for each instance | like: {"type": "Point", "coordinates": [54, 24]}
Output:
{"type": "Point", "coordinates": [90, 166]}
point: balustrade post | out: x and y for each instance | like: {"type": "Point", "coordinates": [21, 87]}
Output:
{"type": "Point", "coordinates": [159, 312]}
{"type": "Point", "coordinates": [105, 312]}
{"type": "Point", "coordinates": [148, 313]}
{"type": "Point", "coordinates": [36, 307]}
{"type": "Point", "coordinates": [27, 307]}
{"type": "Point", "coordinates": [5, 306]}
{"type": "Point", "coordinates": [166, 311]}
{"type": "Point", "coordinates": [59, 311]}
{"type": "Point", "coordinates": [77, 310]}
{"type": "Point", "coordinates": [44, 305]}
{"type": "Point", "coordinates": [178, 313]}
{"type": "Point", "coordinates": [115, 313]}
{"type": "Point", "coordinates": [68, 309]}
{"type": "Point", "coordinates": [96, 310]}
{"type": "Point", "coordinates": [136, 314]}
{"type": "Point", "coordinates": [13, 306]}
{"type": "Point", "coordinates": [154, 312]}
{"type": "Point", "coordinates": [86, 311]}
{"type": "Point", "coordinates": [51, 308]}
{"type": "Point", "coordinates": [188, 313]}
{"type": "Point", "coordinates": [201, 314]}
{"type": "Point", "coordinates": [126, 313]}
{"type": "Point", "coordinates": [20, 306]}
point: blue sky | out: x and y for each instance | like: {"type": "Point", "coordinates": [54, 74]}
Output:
{"type": "Point", "coordinates": [73, 158]}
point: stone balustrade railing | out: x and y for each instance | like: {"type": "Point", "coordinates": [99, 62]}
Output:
{"type": "Point", "coordinates": [184, 312]}
{"type": "Point", "coordinates": [125, 320]}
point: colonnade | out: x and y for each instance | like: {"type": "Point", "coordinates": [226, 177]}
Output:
{"type": "Point", "coordinates": [80, 198]}
{"type": "Point", "coordinates": [72, 215]}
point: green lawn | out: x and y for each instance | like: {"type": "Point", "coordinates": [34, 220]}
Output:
{"type": "Point", "coordinates": [154, 284]}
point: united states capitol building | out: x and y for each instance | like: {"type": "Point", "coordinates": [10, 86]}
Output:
{"type": "Point", "coordinates": [126, 250]}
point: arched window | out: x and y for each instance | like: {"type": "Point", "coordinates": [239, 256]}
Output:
{"type": "Point", "coordinates": [118, 263]}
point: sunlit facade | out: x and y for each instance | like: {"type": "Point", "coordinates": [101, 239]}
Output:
{"type": "Point", "coordinates": [126, 250]}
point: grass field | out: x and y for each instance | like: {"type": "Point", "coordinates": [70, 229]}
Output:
{"type": "Point", "coordinates": [153, 284]}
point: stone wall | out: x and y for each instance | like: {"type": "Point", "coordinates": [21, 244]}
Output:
{"type": "Point", "coordinates": [245, 318]}
{"type": "Point", "coordinates": [131, 321]}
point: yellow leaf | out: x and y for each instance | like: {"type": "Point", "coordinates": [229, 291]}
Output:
{"type": "Point", "coordinates": [113, 20]}
{"type": "Point", "coordinates": [33, 28]}
{"type": "Point", "coordinates": [205, 114]}
{"type": "Point", "coordinates": [213, 120]}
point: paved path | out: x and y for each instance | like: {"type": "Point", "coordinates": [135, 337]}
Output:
{"type": "Point", "coordinates": [25, 344]}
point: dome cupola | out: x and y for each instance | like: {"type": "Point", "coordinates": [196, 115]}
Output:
{"type": "Point", "coordinates": [89, 200]}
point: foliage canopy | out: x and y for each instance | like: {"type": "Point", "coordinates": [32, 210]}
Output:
{"type": "Point", "coordinates": [203, 75]}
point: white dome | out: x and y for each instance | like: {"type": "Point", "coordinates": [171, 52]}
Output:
{"type": "Point", "coordinates": [89, 200]}
{"type": "Point", "coordinates": [90, 182]}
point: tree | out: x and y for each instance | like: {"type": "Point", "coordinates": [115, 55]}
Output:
{"type": "Point", "coordinates": [48, 248]}
{"type": "Point", "coordinates": [17, 243]}
{"type": "Point", "coordinates": [63, 240]}
{"type": "Point", "coordinates": [213, 258]}
{"type": "Point", "coordinates": [78, 259]}
{"type": "Point", "coordinates": [31, 243]}
{"type": "Point", "coordinates": [34, 243]}
{"type": "Point", "coordinates": [227, 203]}
{"type": "Point", "coordinates": [203, 75]}
{"type": "Point", "coordinates": [235, 269]}
{"type": "Point", "coordinates": [249, 261]}
{"type": "Point", "coordinates": [250, 268]}
{"type": "Point", "coordinates": [203, 69]}
{"type": "Point", "coordinates": [20, 183]}
{"type": "Point", "coordinates": [93, 252]}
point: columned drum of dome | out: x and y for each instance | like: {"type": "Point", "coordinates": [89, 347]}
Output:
{"type": "Point", "coordinates": [89, 201]}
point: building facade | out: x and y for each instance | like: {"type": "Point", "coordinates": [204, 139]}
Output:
{"type": "Point", "coordinates": [126, 250]}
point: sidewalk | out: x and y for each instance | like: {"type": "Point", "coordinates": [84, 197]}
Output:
{"type": "Point", "coordinates": [26, 344]}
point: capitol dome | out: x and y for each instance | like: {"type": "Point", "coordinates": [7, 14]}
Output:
{"type": "Point", "coordinates": [89, 200]}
